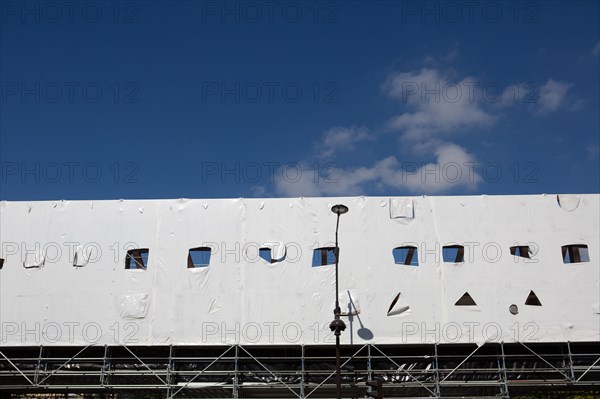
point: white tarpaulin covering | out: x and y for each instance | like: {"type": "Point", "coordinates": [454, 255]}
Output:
{"type": "Point", "coordinates": [64, 279]}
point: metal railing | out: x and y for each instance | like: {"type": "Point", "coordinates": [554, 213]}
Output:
{"type": "Point", "coordinates": [296, 371]}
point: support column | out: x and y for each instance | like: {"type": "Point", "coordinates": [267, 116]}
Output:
{"type": "Point", "coordinates": [436, 368]}
{"type": "Point", "coordinates": [236, 373]}
{"type": "Point", "coordinates": [504, 376]}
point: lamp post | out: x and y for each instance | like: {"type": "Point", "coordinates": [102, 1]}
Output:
{"type": "Point", "coordinates": [337, 325]}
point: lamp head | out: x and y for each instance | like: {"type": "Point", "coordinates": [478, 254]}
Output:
{"type": "Point", "coordinates": [339, 209]}
{"type": "Point", "coordinates": [337, 325]}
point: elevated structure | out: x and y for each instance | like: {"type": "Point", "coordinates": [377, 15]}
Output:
{"type": "Point", "coordinates": [442, 296]}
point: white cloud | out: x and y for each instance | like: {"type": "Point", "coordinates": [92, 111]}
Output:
{"type": "Point", "coordinates": [552, 95]}
{"type": "Point", "coordinates": [441, 107]}
{"type": "Point", "coordinates": [341, 139]}
{"type": "Point", "coordinates": [454, 168]}
{"type": "Point", "coordinates": [259, 191]}
{"type": "Point", "coordinates": [449, 55]}
{"type": "Point", "coordinates": [515, 94]}
{"type": "Point", "coordinates": [438, 108]}
{"type": "Point", "coordinates": [596, 49]}
{"type": "Point", "coordinates": [593, 151]}
{"type": "Point", "coordinates": [452, 54]}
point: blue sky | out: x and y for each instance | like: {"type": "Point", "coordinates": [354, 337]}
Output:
{"type": "Point", "coordinates": [152, 99]}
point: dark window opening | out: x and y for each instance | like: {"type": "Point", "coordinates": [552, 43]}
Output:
{"type": "Point", "coordinates": [575, 253]}
{"type": "Point", "coordinates": [465, 300]}
{"type": "Point", "coordinates": [324, 256]}
{"type": "Point", "coordinates": [137, 259]}
{"type": "Point", "coordinates": [1, 262]}
{"type": "Point", "coordinates": [265, 253]}
{"type": "Point", "coordinates": [522, 251]}
{"type": "Point", "coordinates": [453, 253]}
{"type": "Point", "coordinates": [198, 257]}
{"type": "Point", "coordinates": [532, 300]}
{"type": "Point", "coordinates": [406, 256]}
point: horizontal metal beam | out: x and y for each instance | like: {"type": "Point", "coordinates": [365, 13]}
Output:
{"type": "Point", "coordinates": [300, 371]}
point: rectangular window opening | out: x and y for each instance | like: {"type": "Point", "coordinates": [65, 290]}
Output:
{"type": "Point", "coordinates": [453, 253]}
{"type": "Point", "coordinates": [265, 253]}
{"type": "Point", "coordinates": [407, 255]}
{"type": "Point", "coordinates": [522, 251]}
{"type": "Point", "coordinates": [324, 256]}
{"type": "Point", "coordinates": [199, 257]}
{"type": "Point", "coordinates": [137, 259]}
{"type": "Point", "coordinates": [575, 253]}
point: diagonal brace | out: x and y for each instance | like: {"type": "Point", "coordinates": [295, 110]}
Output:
{"type": "Point", "coordinates": [405, 371]}
{"type": "Point", "coordinates": [270, 372]}
{"type": "Point", "coordinates": [201, 372]}
{"type": "Point", "coordinates": [145, 365]}
{"type": "Point", "coordinates": [64, 364]}
{"type": "Point", "coordinates": [547, 362]}
{"type": "Point", "coordinates": [332, 374]}
{"type": "Point", "coordinates": [586, 371]}
{"type": "Point", "coordinates": [16, 368]}
{"type": "Point", "coordinates": [461, 363]}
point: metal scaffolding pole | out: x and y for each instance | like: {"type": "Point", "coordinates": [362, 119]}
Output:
{"type": "Point", "coordinates": [300, 371]}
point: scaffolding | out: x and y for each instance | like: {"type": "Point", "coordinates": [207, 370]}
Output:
{"type": "Point", "coordinates": [498, 370]}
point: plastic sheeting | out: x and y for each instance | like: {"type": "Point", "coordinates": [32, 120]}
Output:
{"type": "Point", "coordinates": [64, 280]}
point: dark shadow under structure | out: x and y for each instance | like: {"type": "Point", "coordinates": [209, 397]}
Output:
{"type": "Point", "coordinates": [301, 371]}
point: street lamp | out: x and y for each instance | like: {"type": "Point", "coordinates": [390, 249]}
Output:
{"type": "Point", "coordinates": [337, 325]}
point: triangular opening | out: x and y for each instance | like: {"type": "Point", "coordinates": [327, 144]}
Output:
{"type": "Point", "coordinates": [532, 300]}
{"type": "Point", "coordinates": [398, 306]}
{"type": "Point", "coordinates": [465, 300]}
